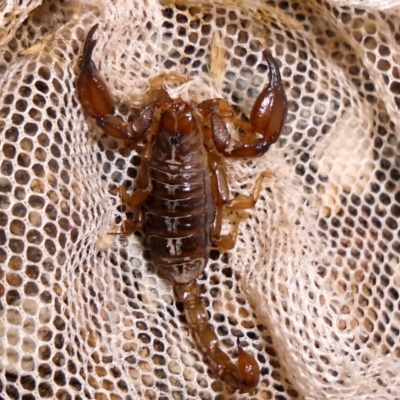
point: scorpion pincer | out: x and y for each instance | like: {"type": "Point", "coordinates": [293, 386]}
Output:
{"type": "Point", "coordinates": [181, 188]}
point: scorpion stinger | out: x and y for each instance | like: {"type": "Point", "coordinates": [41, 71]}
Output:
{"type": "Point", "coordinates": [181, 189]}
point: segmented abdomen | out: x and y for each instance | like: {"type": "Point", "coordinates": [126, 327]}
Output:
{"type": "Point", "coordinates": [178, 215]}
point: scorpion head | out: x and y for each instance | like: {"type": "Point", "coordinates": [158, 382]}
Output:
{"type": "Point", "coordinates": [178, 139]}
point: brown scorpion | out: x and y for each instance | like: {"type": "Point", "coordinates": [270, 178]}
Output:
{"type": "Point", "coordinates": [181, 188]}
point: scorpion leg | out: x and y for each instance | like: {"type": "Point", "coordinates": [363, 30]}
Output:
{"type": "Point", "coordinates": [219, 187]}
{"type": "Point", "coordinates": [142, 190]}
{"type": "Point", "coordinates": [96, 99]}
{"type": "Point", "coordinates": [220, 191]}
{"type": "Point", "coordinates": [228, 241]}
{"type": "Point", "coordinates": [245, 377]}
{"type": "Point", "coordinates": [242, 202]}
{"type": "Point", "coordinates": [267, 118]}
{"type": "Point", "coordinates": [158, 81]}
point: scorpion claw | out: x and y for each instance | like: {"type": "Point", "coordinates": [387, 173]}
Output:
{"type": "Point", "coordinates": [92, 90]}
{"type": "Point", "coordinates": [270, 108]}
{"type": "Point", "coordinates": [86, 58]}
{"type": "Point", "coordinates": [267, 118]}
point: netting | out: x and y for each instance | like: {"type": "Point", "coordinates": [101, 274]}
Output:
{"type": "Point", "coordinates": [311, 287]}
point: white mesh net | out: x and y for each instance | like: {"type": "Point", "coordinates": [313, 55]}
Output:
{"type": "Point", "coordinates": [312, 284]}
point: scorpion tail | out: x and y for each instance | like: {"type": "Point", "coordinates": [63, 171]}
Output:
{"type": "Point", "coordinates": [243, 377]}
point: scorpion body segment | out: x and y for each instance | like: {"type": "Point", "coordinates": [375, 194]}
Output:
{"type": "Point", "coordinates": [181, 188]}
{"type": "Point", "coordinates": [179, 209]}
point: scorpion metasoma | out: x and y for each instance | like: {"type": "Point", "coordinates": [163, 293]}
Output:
{"type": "Point", "coordinates": [181, 188]}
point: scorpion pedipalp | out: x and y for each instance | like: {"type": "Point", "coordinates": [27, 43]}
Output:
{"type": "Point", "coordinates": [267, 118]}
{"type": "Point", "coordinates": [269, 111]}
{"type": "Point", "coordinates": [96, 99]}
{"type": "Point", "coordinates": [92, 90]}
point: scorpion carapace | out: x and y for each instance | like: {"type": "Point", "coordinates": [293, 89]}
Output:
{"type": "Point", "coordinates": [181, 188]}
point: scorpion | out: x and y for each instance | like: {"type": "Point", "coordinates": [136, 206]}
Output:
{"type": "Point", "coordinates": [181, 188]}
